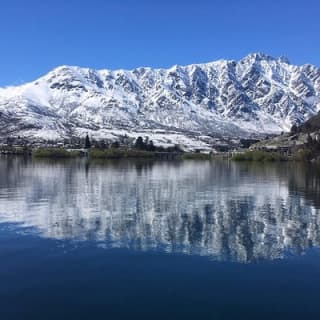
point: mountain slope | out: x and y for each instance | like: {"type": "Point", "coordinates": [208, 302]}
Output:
{"type": "Point", "coordinates": [254, 96]}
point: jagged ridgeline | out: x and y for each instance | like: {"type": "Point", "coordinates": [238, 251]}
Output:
{"type": "Point", "coordinates": [254, 96]}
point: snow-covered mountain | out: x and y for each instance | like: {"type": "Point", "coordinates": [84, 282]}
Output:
{"type": "Point", "coordinates": [256, 95]}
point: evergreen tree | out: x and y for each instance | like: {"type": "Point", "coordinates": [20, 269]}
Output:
{"type": "Point", "coordinates": [294, 129]}
{"type": "Point", "coordinates": [151, 146]}
{"type": "Point", "coordinates": [139, 144]}
{"type": "Point", "coordinates": [115, 144]}
{"type": "Point", "coordinates": [102, 144]}
{"type": "Point", "coordinates": [87, 143]}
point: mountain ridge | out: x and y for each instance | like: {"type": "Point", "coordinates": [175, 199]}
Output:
{"type": "Point", "coordinates": [255, 96]}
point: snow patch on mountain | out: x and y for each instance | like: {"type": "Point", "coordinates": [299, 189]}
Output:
{"type": "Point", "coordinates": [255, 96]}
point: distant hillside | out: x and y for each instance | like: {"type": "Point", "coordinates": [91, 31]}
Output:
{"type": "Point", "coordinates": [310, 126]}
{"type": "Point", "coordinates": [302, 143]}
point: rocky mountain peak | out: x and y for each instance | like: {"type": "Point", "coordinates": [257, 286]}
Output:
{"type": "Point", "coordinates": [257, 95]}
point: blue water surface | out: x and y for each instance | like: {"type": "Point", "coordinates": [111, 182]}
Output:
{"type": "Point", "coordinates": [164, 240]}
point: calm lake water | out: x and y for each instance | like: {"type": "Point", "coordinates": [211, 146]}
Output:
{"type": "Point", "coordinates": [158, 240]}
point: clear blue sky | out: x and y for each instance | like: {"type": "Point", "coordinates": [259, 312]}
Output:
{"type": "Point", "coordinates": [38, 35]}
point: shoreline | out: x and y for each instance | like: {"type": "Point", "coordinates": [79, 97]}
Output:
{"type": "Point", "coordinates": [95, 153]}
{"type": "Point", "coordinates": [132, 153]}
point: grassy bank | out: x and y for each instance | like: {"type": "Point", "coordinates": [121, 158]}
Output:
{"type": "Point", "coordinates": [134, 153]}
{"type": "Point", "coordinates": [120, 153]}
{"type": "Point", "coordinates": [195, 156]}
{"type": "Point", "coordinates": [259, 156]}
{"type": "Point", "coordinates": [54, 153]}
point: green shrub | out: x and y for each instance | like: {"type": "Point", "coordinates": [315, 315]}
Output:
{"type": "Point", "coordinates": [259, 156]}
{"type": "Point", "coordinates": [195, 155]}
{"type": "Point", "coordinates": [54, 153]}
{"type": "Point", "coordinates": [120, 153]}
{"type": "Point", "coordinates": [134, 153]}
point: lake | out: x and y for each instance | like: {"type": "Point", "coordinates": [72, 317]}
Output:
{"type": "Point", "coordinates": [158, 240]}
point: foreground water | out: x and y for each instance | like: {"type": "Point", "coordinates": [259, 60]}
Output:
{"type": "Point", "coordinates": [158, 240]}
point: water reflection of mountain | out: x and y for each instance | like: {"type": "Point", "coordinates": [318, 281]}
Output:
{"type": "Point", "coordinates": [243, 212]}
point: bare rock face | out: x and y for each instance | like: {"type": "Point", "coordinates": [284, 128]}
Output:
{"type": "Point", "coordinates": [257, 95]}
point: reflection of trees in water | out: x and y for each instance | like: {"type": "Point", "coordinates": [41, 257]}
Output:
{"type": "Point", "coordinates": [305, 181]}
{"type": "Point", "coordinates": [226, 210]}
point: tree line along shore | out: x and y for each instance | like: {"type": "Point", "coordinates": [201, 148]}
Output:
{"type": "Point", "coordinates": [127, 153]}
{"type": "Point", "coordinates": [310, 151]}
{"type": "Point", "coordinates": [140, 149]}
